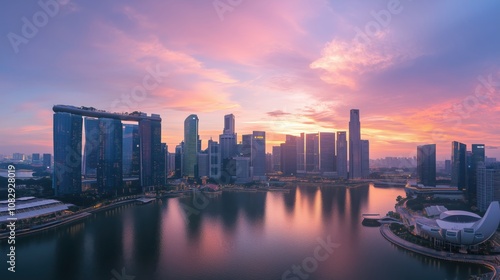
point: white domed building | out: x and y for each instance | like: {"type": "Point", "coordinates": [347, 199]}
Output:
{"type": "Point", "coordinates": [460, 227]}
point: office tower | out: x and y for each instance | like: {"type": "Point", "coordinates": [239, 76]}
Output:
{"type": "Point", "coordinates": [342, 154]}
{"type": "Point", "coordinates": [229, 124]}
{"type": "Point", "coordinates": [171, 164]}
{"type": "Point", "coordinates": [488, 185]}
{"type": "Point", "coordinates": [312, 152]}
{"type": "Point", "coordinates": [67, 154]}
{"type": "Point", "coordinates": [228, 145]}
{"type": "Point", "coordinates": [242, 170]}
{"type": "Point", "coordinates": [215, 161]}
{"type": "Point", "coordinates": [201, 165]}
{"type": "Point", "coordinates": [246, 146]}
{"type": "Point", "coordinates": [191, 142]}
{"type": "Point", "coordinates": [35, 158]}
{"type": "Point", "coordinates": [458, 165]}
{"type": "Point", "coordinates": [269, 163]}
{"type": "Point", "coordinates": [476, 158]}
{"type": "Point", "coordinates": [354, 145]}
{"type": "Point", "coordinates": [47, 160]}
{"type": "Point", "coordinates": [164, 164]}
{"type": "Point", "coordinates": [276, 159]}
{"type": "Point", "coordinates": [131, 151]}
{"type": "Point", "coordinates": [110, 170]}
{"type": "Point", "coordinates": [327, 151]}
{"type": "Point", "coordinates": [179, 156]}
{"type": "Point", "coordinates": [228, 138]}
{"type": "Point", "coordinates": [288, 158]}
{"type": "Point", "coordinates": [150, 138]}
{"type": "Point", "coordinates": [301, 154]}
{"type": "Point", "coordinates": [91, 149]}
{"type": "Point", "coordinates": [365, 158]}
{"type": "Point", "coordinates": [258, 153]}
{"type": "Point", "coordinates": [426, 165]}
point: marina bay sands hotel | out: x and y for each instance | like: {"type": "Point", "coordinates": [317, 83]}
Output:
{"type": "Point", "coordinates": [118, 157]}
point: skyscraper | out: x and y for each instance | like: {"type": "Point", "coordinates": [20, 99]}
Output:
{"type": "Point", "coordinates": [476, 158]}
{"type": "Point", "coordinates": [246, 145]}
{"type": "Point", "coordinates": [276, 159]}
{"type": "Point", "coordinates": [163, 164]}
{"type": "Point", "coordinates": [327, 151]}
{"type": "Point", "coordinates": [229, 124]}
{"type": "Point", "coordinates": [312, 152]}
{"type": "Point", "coordinates": [91, 149]}
{"type": "Point", "coordinates": [488, 185]}
{"type": "Point", "coordinates": [342, 154]}
{"type": "Point", "coordinates": [131, 151]}
{"type": "Point", "coordinates": [365, 158]}
{"type": "Point", "coordinates": [301, 153]}
{"type": "Point", "coordinates": [458, 165]}
{"type": "Point", "coordinates": [179, 157]}
{"type": "Point", "coordinates": [288, 157]}
{"type": "Point", "coordinates": [354, 145]}
{"type": "Point", "coordinates": [228, 138]}
{"type": "Point", "coordinates": [110, 170]}
{"type": "Point", "coordinates": [426, 165]}
{"type": "Point", "coordinates": [214, 160]}
{"type": "Point", "coordinates": [67, 154]}
{"type": "Point", "coordinates": [191, 142]}
{"type": "Point", "coordinates": [150, 137]}
{"type": "Point", "coordinates": [258, 154]}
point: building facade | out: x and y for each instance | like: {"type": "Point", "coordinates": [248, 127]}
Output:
{"type": "Point", "coordinates": [458, 165]}
{"type": "Point", "coordinates": [426, 165]}
{"type": "Point", "coordinates": [354, 145]}
{"type": "Point", "coordinates": [191, 145]}
{"type": "Point", "coordinates": [342, 154]}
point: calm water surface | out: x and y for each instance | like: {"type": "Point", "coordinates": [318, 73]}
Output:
{"type": "Point", "coordinates": [232, 236]}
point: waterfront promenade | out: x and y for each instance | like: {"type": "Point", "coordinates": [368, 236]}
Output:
{"type": "Point", "coordinates": [491, 262]}
{"type": "Point", "coordinates": [76, 217]}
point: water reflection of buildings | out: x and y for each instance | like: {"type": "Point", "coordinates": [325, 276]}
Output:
{"type": "Point", "coordinates": [147, 240]}
{"type": "Point", "coordinates": [228, 208]}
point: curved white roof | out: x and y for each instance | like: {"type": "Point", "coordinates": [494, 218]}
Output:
{"type": "Point", "coordinates": [452, 225]}
{"type": "Point", "coordinates": [462, 227]}
{"type": "Point", "coordinates": [450, 213]}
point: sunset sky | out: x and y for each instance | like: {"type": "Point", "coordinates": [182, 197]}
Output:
{"type": "Point", "coordinates": [419, 71]}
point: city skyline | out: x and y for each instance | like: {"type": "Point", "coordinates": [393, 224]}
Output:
{"type": "Point", "coordinates": [418, 84]}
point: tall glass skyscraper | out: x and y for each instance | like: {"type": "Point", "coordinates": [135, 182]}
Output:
{"type": "Point", "coordinates": [67, 154]}
{"type": "Point", "coordinates": [477, 157]}
{"type": "Point", "coordinates": [258, 155]}
{"type": "Point", "coordinates": [228, 138]}
{"type": "Point", "coordinates": [191, 142]}
{"type": "Point", "coordinates": [131, 151]}
{"type": "Point", "coordinates": [288, 155]}
{"type": "Point", "coordinates": [109, 171]}
{"type": "Point", "coordinates": [91, 150]}
{"type": "Point", "coordinates": [458, 165]}
{"type": "Point", "coordinates": [354, 145]}
{"type": "Point", "coordinates": [365, 158]}
{"type": "Point", "coordinates": [426, 165]}
{"type": "Point", "coordinates": [229, 124]}
{"type": "Point", "coordinates": [312, 152]}
{"type": "Point", "coordinates": [342, 154]}
{"type": "Point", "coordinates": [327, 151]}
